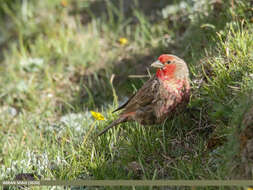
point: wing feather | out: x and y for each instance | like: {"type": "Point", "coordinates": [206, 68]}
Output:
{"type": "Point", "coordinates": [144, 96]}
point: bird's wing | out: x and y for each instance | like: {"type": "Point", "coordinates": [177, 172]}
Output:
{"type": "Point", "coordinates": [124, 105]}
{"type": "Point", "coordinates": [144, 96]}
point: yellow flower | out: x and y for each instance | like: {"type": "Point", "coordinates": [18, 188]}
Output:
{"type": "Point", "coordinates": [250, 188]}
{"type": "Point", "coordinates": [64, 3]}
{"type": "Point", "coordinates": [97, 115]}
{"type": "Point", "coordinates": [123, 41]}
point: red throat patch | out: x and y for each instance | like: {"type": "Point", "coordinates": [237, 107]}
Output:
{"type": "Point", "coordinates": [167, 72]}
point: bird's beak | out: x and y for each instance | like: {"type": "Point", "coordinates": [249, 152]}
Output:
{"type": "Point", "coordinates": [157, 64]}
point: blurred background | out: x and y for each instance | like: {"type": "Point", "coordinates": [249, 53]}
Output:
{"type": "Point", "coordinates": [57, 59]}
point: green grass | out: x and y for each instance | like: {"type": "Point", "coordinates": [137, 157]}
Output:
{"type": "Point", "coordinates": [56, 64]}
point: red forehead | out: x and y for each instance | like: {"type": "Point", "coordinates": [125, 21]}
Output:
{"type": "Point", "coordinates": [165, 58]}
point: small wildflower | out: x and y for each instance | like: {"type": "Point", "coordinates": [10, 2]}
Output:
{"type": "Point", "coordinates": [97, 115]}
{"type": "Point", "coordinates": [64, 3]}
{"type": "Point", "coordinates": [227, 51]}
{"type": "Point", "coordinates": [123, 41]}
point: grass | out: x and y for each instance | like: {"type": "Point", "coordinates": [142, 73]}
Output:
{"type": "Point", "coordinates": [56, 66]}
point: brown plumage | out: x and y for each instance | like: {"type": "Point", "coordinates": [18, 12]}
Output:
{"type": "Point", "coordinates": [160, 97]}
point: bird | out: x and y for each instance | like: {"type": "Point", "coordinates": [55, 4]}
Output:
{"type": "Point", "coordinates": [164, 95]}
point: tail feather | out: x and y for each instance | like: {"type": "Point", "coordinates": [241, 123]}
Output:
{"type": "Point", "coordinates": [114, 123]}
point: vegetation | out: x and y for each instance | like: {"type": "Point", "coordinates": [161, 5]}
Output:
{"type": "Point", "coordinates": [61, 59]}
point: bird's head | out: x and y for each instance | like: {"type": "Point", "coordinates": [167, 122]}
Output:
{"type": "Point", "coordinates": [170, 67]}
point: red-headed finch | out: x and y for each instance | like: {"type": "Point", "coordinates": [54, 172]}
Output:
{"type": "Point", "coordinates": [161, 97]}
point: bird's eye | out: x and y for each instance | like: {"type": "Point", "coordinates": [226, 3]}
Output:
{"type": "Point", "coordinates": [168, 62]}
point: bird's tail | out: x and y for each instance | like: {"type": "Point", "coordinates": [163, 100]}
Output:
{"type": "Point", "coordinates": [114, 123]}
